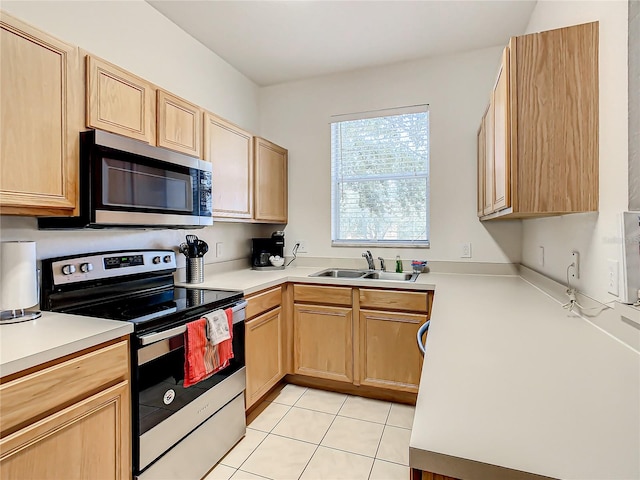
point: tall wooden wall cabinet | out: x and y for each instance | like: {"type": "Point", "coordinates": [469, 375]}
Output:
{"type": "Point", "coordinates": [270, 187]}
{"type": "Point", "coordinates": [538, 142]}
{"type": "Point", "coordinates": [41, 79]}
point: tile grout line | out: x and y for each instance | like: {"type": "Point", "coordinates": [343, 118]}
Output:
{"type": "Point", "coordinates": [318, 445]}
{"type": "Point", "coordinates": [325, 434]}
{"type": "Point", "coordinates": [375, 457]}
{"type": "Point", "coordinates": [261, 441]}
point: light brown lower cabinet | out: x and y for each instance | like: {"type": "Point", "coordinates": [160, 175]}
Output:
{"type": "Point", "coordinates": [69, 419]}
{"type": "Point", "coordinates": [264, 343]}
{"type": "Point", "coordinates": [363, 336]}
{"type": "Point", "coordinates": [323, 342]}
{"type": "Point", "coordinates": [389, 356]}
{"type": "Point", "coordinates": [89, 439]}
{"type": "Point", "coordinates": [421, 475]}
{"type": "Point", "coordinates": [264, 354]}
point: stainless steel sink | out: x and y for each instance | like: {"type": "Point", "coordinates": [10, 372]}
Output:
{"type": "Point", "coordinates": [366, 274]}
{"type": "Point", "coordinates": [399, 277]}
{"type": "Point", "coordinates": [340, 273]}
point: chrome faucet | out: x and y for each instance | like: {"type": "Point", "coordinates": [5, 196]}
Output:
{"type": "Point", "coordinates": [369, 257]}
{"type": "Point", "coordinates": [382, 267]}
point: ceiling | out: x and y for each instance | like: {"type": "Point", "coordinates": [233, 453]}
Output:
{"type": "Point", "coordinates": [280, 41]}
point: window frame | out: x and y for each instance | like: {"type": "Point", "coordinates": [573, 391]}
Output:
{"type": "Point", "coordinates": [423, 243]}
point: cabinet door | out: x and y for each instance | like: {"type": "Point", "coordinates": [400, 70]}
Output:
{"type": "Point", "coordinates": [488, 160]}
{"type": "Point", "coordinates": [481, 171]}
{"type": "Point", "coordinates": [554, 87]}
{"type": "Point", "coordinates": [501, 138]}
{"type": "Point", "coordinates": [119, 102]}
{"type": "Point", "coordinates": [323, 342]}
{"type": "Point", "coordinates": [89, 439]}
{"type": "Point", "coordinates": [230, 150]}
{"type": "Point", "coordinates": [389, 355]}
{"type": "Point", "coordinates": [41, 116]}
{"type": "Point", "coordinates": [263, 346]}
{"type": "Point", "coordinates": [271, 182]}
{"type": "Point", "coordinates": [179, 124]}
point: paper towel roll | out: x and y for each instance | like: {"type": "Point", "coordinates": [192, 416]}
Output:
{"type": "Point", "coordinates": [18, 275]}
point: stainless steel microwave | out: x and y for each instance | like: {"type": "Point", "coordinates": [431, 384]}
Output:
{"type": "Point", "coordinates": [127, 183]}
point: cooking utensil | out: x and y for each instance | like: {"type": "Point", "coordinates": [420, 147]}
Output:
{"type": "Point", "coordinates": [184, 249]}
{"type": "Point", "coordinates": [192, 242]}
{"type": "Point", "coordinates": [203, 248]}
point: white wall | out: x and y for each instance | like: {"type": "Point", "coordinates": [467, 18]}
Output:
{"type": "Point", "coordinates": [456, 87]}
{"type": "Point", "coordinates": [596, 236]}
{"type": "Point", "coordinates": [135, 36]}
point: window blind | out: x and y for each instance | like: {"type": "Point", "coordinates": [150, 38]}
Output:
{"type": "Point", "coordinates": [380, 179]}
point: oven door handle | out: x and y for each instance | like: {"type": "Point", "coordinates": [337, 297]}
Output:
{"type": "Point", "coordinates": [156, 337]}
{"type": "Point", "coordinates": [172, 332]}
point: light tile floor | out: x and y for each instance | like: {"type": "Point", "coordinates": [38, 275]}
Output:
{"type": "Point", "coordinates": [302, 433]}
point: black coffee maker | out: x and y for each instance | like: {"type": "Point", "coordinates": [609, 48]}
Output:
{"type": "Point", "coordinates": [268, 253]}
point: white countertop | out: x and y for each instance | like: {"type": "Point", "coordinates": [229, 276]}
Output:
{"type": "Point", "coordinates": [512, 379]}
{"type": "Point", "coordinates": [511, 382]}
{"type": "Point", "coordinates": [54, 335]}
{"type": "Point", "coordinates": [251, 281]}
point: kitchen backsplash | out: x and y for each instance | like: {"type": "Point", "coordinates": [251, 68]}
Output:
{"type": "Point", "coordinates": [235, 238]}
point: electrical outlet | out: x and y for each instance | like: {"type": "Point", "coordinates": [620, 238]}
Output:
{"type": "Point", "coordinates": [541, 256]}
{"type": "Point", "coordinates": [218, 249]}
{"type": "Point", "coordinates": [303, 246]}
{"type": "Point", "coordinates": [465, 250]}
{"type": "Point", "coordinates": [613, 286]}
{"type": "Point", "coordinates": [574, 271]}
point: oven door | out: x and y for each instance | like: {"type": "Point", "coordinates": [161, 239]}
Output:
{"type": "Point", "coordinates": [136, 184]}
{"type": "Point", "coordinates": [164, 410]}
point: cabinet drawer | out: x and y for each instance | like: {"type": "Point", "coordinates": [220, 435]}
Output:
{"type": "Point", "coordinates": [394, 300]}
{"type": "Point", "coordinates": [324, 295]}
{"type": "Point", "coordinates": [39, 393]}
{"type": "Point", "coordinates": [264, 301]}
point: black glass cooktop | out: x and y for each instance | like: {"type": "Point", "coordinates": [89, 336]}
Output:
{"type": "Point", "coordinates": [167, 305]}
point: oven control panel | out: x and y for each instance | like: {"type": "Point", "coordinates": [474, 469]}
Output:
{"type": "Point", "coordinates": [90, 267]}
{"type": "Point", "coordinates": [123, 261]}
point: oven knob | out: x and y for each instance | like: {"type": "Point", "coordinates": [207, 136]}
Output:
{"type": "Point", "coordinates": [156, 260]}
{"type": "Point", "coordinates": [167, 259]}
{"type": "Point", "coordinates": [86, 267]}
{"type": "Point", "coordinates": [68, 269]}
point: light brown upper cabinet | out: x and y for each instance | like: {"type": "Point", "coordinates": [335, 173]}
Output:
{"type": "Point", "coordinates": [230, 150]}
{"type": "Point", "coordinates": [179, 124]}
{"type": "Point", "coordinates": [501, 184]}
{"type": "Point", "coordinates": [120, 102]}
{"type": "Point", "coordinates": [488, 160]}
{"type": "Point", "coordinates": [271, 184]}
{"type": "Point", "coordinates": [41, 115]}
{"type": "Point", "coordinates": [481, 162]}
{"type": "Point", "coordinates": [541, 135]}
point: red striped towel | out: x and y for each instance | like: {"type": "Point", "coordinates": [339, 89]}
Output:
{"type": "Point", "coordinates": [195, 345]}
{"type": "Point", "coordinates": [201, 358]}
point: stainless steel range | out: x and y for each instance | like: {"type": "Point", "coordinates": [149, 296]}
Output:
{"type": "Point", "coordinates": [178, 432]}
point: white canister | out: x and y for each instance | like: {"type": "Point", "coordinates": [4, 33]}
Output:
{"type": "Point", "coordinates": [18, 280]}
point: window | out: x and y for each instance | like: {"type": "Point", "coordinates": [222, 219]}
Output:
{"type": "Point", "coordinates": [380, 178]}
